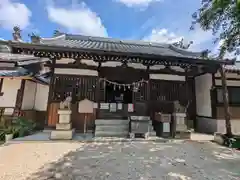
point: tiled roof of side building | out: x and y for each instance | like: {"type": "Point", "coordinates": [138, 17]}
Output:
{"type": "Point", "coordinates": [233, 68]}
{"type": "Point", "coordinates": [115, 45]}
{"type": "Point", "coordinates": [15, 73]}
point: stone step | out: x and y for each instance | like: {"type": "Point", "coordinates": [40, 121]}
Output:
{"type": "Point", "coordinates": [111, 134]}
{"type": "Point", "coordinates": [62, 134]}
{"type": "Point", "coordinates": [111, 122]}
{"type": "Point", "coordinates": [63, 126]}
{"type": "Point", "coordinates": [181, 127]}
{"type": "Point", "coordinates": [116, 128]}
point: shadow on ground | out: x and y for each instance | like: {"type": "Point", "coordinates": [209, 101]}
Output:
{"type": "Point", "coordinates": [143, 161]}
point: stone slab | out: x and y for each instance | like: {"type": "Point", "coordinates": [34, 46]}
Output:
{"type": "Point", "coordinates": [61, 134]}
{"type": "Point", "coordinates": [64, 111]}
{"type": "Point", "coordinates": [63, 126]}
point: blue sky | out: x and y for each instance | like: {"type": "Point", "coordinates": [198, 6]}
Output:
{"type": "Point", "coordinates": [163, 21]}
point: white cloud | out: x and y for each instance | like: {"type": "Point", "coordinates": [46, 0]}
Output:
{"type": "Point", "coordinates": [14, 14]}
{"type": "Point", "coordinates": [162, 36]}
{"type": "Point", "coordinates": [134, 3]}
{"type": "Point", "coordinates": [78, 20]}
{"type": "Point", "coordinates": [198, 37]}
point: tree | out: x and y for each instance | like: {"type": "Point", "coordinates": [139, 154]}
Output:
{"type": "Point", "coordinates": [222, 17]}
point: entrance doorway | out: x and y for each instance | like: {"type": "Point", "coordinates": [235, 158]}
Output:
{"type": "Point", "coordinates": [118, 94]}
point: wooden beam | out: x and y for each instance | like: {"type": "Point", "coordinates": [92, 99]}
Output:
{"type": "Point", "coordinates": [167, 70]}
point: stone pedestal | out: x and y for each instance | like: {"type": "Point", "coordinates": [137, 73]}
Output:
{"type": "Point", "coordinates": [180, 119]}
{"type": "Point", "coordinates": [64, 129]}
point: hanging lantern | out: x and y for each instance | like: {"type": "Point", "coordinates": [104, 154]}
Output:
{"type": "Point", "coordinates": [129, 87]}
{"type": "Point", "coordinates": [124, 88]}
{"type": "Point", "coordinates": [114, 87]}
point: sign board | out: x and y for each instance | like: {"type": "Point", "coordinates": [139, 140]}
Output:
{"type": "Point", "coordinates": [166, 127]}
{"type": "Point", "coordinates": [85, 106]}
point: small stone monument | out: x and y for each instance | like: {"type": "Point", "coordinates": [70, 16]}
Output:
{"type": "Point", "coordinates": [64, 129]}
{"type": "Point", "coordinates": [180, 117]}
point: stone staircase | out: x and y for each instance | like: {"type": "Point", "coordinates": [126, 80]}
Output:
{"type": "Point", "coordinates": [111, 128]}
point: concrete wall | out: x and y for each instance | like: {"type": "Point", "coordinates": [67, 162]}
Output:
{"type": "Point", "coordinates": [235, 126]}
{"type": "Point", "coordinates": [29, 95]}
{"type": "Point", "coordinates": [41, 97]}
{"type": "Point", "coordinates": [203, 86]}
{"type": "Point", "coordinates": [206, 125]}
{"type": "Point", "coordinates": [235, 120]}
{"type": "Point", "coordinates": [9, 88]}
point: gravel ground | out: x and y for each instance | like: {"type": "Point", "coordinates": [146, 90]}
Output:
{"type": "Point", "coordinates": [118, 161]}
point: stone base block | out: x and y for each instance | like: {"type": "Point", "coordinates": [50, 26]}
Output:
{"type": "Point", "coordinates": [218, 138]}
{"type": "Point", "coordinates": [62, 134]}
{"type": "Point", "coordinates": [63, 126]}
{"type": "Point", "coordinates": [181, 127]}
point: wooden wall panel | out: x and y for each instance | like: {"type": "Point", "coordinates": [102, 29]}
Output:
{"type": "Point", "coordinates": [52, 114]}
{"type": "Point", "coordinates": [234, 111]}
{"type": "Point", "coordinates": [77, 118]}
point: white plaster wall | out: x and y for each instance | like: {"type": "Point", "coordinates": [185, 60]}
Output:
{"type": "Point", "coordinates": [218, 82]}
{"type": "Point", "coordinates": [29, 95]}
{"type": "Point", "coordinates": [41, 97]}
{"type": "Point", "coordinates": [10, 88]}
{"type": "Point", "coordinates": [203, 86]}
{"type": "Point", "coordinates": [86, 72]}
{"type": "Point", "coordinates": [235, 126]}
{"type": "Point", "coordinates": [168, 77]}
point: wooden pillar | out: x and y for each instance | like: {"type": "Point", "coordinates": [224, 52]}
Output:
{"type": "Point", "coordinates": [97, 93]}
{"type": "Point", "coordinates": [1, 85]}
{"type": "Point", "coordinates": [148, 89]}
{"type": "Point", "coordinates": [226, 102]}
{"type": "Point", "coordinates": [19, 99]}
{"type": "Point", "coordinates": [50, 93]}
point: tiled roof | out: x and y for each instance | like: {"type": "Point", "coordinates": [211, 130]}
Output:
{"type": "Point", "coordinates": [115, 45]}
{"type": "Point", "coordinates": [20, 72]}
{"type": "Point", "coordinates": [20, 59]}
{"type": "Point", "coordinates": [16, 57]}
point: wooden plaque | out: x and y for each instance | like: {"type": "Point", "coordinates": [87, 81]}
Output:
{"type": "Point", "coordinates": [85, 106]}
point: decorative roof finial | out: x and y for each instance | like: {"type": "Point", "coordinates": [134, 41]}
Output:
{"type": "Point", "coordinates": [205, 53]}
{"type": "Point", "coordinates": [57, 33]}
{"type": "Point", "coordinates": [34, 38]}
{"type": "Point", "coordinates": [182, 45]}
{"type": "Point", "coordinates": [17, 34]}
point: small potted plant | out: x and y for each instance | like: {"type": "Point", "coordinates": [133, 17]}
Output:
{"type": "Point", "coordinates": [9, 134]}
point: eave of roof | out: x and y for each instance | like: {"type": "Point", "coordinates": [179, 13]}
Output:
{"type": "Point", "coordinates": [57, 49]}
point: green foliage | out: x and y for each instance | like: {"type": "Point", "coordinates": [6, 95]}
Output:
{"type": "Point", "coordinates": [223, 18]}
{"type": "Point", "coordinates": [23, 127]}
{"type": "Point", "coordinates": [2, 135]}
{"type": "Point", "coordinates": [19, 128]}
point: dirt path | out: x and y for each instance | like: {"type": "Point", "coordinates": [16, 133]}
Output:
{"type": "Point", "coordinates": [116, 161]}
